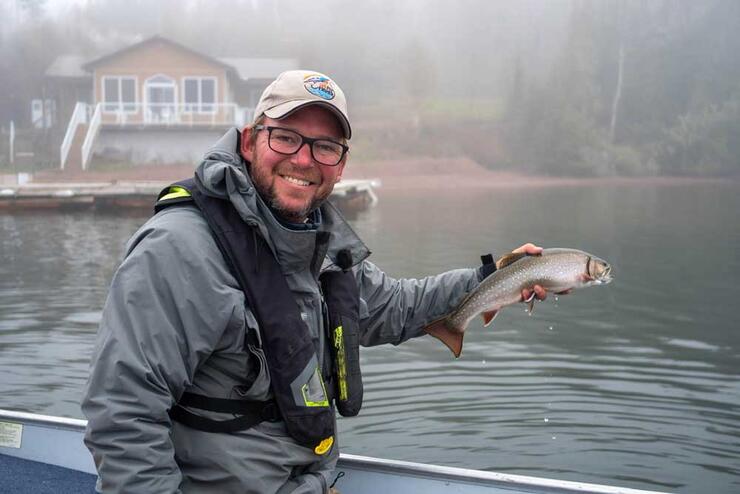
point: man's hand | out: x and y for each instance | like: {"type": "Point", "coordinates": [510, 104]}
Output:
{"type": "Point", "coordinates": [539, 292]}
{"type": "Point", "coordinates": [530, 249]}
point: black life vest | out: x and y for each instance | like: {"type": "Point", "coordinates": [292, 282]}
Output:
{"type": "Point", "coordinates": [302, 395]}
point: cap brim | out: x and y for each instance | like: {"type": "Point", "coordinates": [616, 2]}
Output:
{"type": "Point", "coordinates": [289, 107]}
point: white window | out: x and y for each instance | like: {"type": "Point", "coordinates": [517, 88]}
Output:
{"type": "Point", "coordinates": [199, 94]}
{"type": "Point", "coordinates": [119, 94]}
{"type": "Point", "coordinates": [161, 99]}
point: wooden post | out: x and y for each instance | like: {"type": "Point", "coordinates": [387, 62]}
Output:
{"type": "Point", "coordinates": [11, 152]}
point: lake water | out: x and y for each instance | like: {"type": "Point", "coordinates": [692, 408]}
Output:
{"type": "Point", "coordinates": [635, 384]}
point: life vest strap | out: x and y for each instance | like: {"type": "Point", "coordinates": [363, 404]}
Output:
{"type": "Point", "coordinates": [250, 413]}
{"type": "Point", "coordinates": [225, 405]}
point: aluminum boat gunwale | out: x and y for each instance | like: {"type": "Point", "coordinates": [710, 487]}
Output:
{"type": "Point", "coordinates": [58, 441]}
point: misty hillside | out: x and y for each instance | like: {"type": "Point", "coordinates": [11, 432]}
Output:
{"type": "Point", "coordinates": [558, 87]}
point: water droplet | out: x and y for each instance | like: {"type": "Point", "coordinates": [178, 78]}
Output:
{"type": "Point", "coordinates": [546, 419]}
{"type": "Point", "coordinates": [554, 437]}
{"type": "Point", "coordinates": [483, 362]}
{"type": "Point", "coordinates": [556, 298]}
{"type": "Point", "coordinates": [550, 328]}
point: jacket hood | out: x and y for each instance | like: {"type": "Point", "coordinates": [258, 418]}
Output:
{"type": "Point", "coordinates": [223, 173]}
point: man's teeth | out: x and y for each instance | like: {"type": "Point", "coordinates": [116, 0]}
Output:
{"type": "Point", "coordinates": [296, 181]}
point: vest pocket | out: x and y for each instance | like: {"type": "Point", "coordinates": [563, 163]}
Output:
{"type": "Point", "coordinates": [257, 384]}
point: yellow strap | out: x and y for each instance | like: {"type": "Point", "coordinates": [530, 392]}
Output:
{"type": "Point", "coordinates": [175, 192]}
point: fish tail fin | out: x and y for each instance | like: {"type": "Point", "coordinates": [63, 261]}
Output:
{"type": "Point", "coordinates": [451, 338]}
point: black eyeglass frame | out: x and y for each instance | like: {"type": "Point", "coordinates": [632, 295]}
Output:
{"type": "Point", "coordinates": [304, 140]}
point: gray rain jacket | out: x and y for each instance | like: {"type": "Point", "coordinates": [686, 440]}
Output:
{"type": "Point", "coordinates": [175, 320]}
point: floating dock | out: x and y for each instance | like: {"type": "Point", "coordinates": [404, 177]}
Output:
{"type": "Point", "coordinates": [354, 195]}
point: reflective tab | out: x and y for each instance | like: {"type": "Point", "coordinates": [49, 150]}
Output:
{"type": "Point", "coordinates": [341, 361]}
{"type": "Point", "coordinates": [314, 393]}
{"type": "Point", "coordinates": [324, 446]}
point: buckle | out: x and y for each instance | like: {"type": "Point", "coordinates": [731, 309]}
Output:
{"type": "Point", "coordinates": [271, 412]}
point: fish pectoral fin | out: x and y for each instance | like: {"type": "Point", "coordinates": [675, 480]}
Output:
{"type": "Point", "coordinates": [489, 316]}
{"type": "Point", "coordinates": [451, 338]}
{"type": "Point", "coordinates": [530, 302]}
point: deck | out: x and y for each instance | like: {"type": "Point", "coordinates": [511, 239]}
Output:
{"type": "Point", "coordinates": [123, 196]}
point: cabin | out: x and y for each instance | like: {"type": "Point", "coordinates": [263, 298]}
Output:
{"type": "Point", "coordinates": [153, 102]}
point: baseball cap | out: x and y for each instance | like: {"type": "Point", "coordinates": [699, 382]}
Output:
{"type": "Point", "coordinates": [295, 89]}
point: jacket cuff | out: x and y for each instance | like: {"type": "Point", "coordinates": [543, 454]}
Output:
{"type": "Point", "coordinates": [488, 267]}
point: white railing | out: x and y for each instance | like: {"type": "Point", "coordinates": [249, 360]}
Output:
{"type": "Point", "coordinates": [92, 134]}
{"type": "Point", "coordinates": [79, 117]}
{"type": "Point", "coordinates": [175, 114]}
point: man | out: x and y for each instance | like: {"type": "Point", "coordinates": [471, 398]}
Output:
{"type": "Point", "coordinates": [202, 379]}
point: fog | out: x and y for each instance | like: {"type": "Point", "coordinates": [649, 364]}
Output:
{"type": "Point", "coordinates": [571, 87]}
{"type": "Point", "coordinates": [608, 126]}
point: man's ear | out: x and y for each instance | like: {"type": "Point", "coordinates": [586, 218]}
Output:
{"type": "Point", "coordinates": [341, 170]}
{"type": "Point", "coordinates": [245, 145]}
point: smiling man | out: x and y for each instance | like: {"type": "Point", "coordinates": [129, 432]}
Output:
{"type": "Point", "coordinates": [298, 108]}
{"type": "Point", "coordinates": [231, 332]}
{"type": "Point", "coordinates": [283, 170]}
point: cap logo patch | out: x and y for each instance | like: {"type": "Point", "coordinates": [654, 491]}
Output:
{"type": "Point", "coordinates": [320, 86]}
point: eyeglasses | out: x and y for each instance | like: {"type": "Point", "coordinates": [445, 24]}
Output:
{"type": "Point", "coordinates": [285, 141]}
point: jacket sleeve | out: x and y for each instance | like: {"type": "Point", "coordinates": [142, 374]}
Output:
{"type": "Point", "coordinates": [394, 310]}
{"type": "Point", "coordinates": [168, 305]}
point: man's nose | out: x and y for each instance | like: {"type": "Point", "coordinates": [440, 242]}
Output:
{"type": "Point", "coordinates": [303, 156]}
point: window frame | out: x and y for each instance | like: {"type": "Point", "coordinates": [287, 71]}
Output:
{"type": "Point", "coordinates": [198, 106]}
{"type": "Point", "coordinates": [119, 106]}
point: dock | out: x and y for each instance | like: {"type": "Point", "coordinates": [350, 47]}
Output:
{"type": "Point", "coordinates": [120, 196]}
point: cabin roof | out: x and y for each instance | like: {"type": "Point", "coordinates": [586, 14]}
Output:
{"type": "Point", "coordinates": [67, 66]}
{"type": "Point", "coordinates": [243, 68]}
{"type": "Point", "coordinates": [90, 66]}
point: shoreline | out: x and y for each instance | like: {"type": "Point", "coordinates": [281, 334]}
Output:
{"type": "Point", "coordinates": [512, 181]}
{"type": "Point", "coordinates": [407, 174]}
{"type": "Point", "coordinates": [435, 174]}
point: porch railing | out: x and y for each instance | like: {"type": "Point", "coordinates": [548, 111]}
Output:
{"type": "Point", "coordinates": [175, 114]}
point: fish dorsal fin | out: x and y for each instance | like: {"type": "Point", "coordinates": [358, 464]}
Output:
{"type": "Point", "coordinates": [509, 258]}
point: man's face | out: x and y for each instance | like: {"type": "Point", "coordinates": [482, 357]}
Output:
{"type": "Point", "coordinates": [294, 185]}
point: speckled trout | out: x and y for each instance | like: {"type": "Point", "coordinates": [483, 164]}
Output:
{"type": "Point", "coordinates": [556, 270]}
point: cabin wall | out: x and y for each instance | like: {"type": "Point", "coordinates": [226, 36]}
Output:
{"type": "Point", "coordinates": [153, 146]}
{"type": "Point", "coordinates": [161, 58]}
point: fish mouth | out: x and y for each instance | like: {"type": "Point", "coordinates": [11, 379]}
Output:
{"type": "Point", "coordinates": [606, 277]}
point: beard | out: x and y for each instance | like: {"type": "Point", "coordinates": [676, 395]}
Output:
{"type": "Point", "coordinates": [264, 183]}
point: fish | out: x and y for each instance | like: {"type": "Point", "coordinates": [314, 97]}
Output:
{"type": "Point", "coordinates": [556, 270]}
